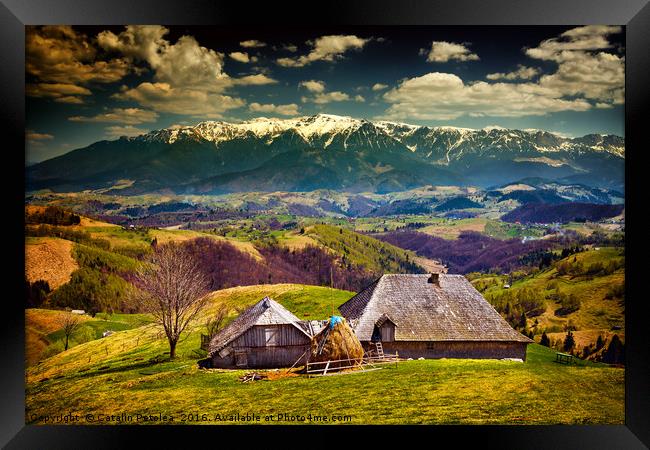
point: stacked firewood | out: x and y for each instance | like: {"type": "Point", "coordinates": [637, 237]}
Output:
{"type": "Point", "coordinates": [251, 376]}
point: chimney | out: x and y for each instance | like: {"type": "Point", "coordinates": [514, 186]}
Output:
{"type": "Point", "coordinates": [434, 279]}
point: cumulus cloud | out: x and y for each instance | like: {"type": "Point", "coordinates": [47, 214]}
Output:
{"type": "Point", "coordinates": [442, 51]}
{"type": "Point", "coordinates": [586, 77]}
{"type": "Point", "coordinates": [188, 78]}
{"type": "Point", "coordinates": [165, 98]}
{"type": "Point", "coordinates": [583, 68]}
{"type": "Point", "coordinates": [184, 63]}
{"type": "Point", "coordinates": [522, 73]}
{"type": "Point", "coordinates": [325, 48]}
{"type": "Point", "coordinates": [34, 137]}
{"type": "Point", "coordinates": [328, 97]}
{"type": "Point", "coordinates": [313, 85]}
{"type": "Point", "coordinates": [119, 131]}
{"type": "Point", "coordinates": [258, 79]}
{"type": "Point", "coordinates": [322, 97]}
{"type": "Point", "coordinates": [59, 56]}
{"type": "Point", "coordinates": [285, 110]}
{"type": "Point", "coordinates": [379, 87]}
{"type": "Point", "coordinates": [126, 116]}
{"type": "Point", "coordinates": [252, 43]}
{"type": "Point", "coordinates": [587, 38]}
{"type": "Point", "coordinates": [242, 57]}
{"type": "Point", "coordinates": [60, 92]}
{"type": "Point", "coordinates": [444, 96]}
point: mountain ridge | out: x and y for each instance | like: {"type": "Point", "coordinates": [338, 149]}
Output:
{"type": "Point", "coordinates": [347, 153]}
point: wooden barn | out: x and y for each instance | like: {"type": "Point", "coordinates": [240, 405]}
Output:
{"type": "Point", "coordinates": [431, 316]}
{"type": "Point", "coordinates": [266, 335]}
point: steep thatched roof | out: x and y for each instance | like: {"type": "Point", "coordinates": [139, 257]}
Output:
{"type": "Point", "coordinates": [265, 312]}
{"type": "Point", "coordinates": [450, 310]}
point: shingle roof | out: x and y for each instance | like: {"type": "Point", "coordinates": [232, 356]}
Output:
{"type": "Point", "coordinates": [452, 310]}
{"type": "Point", "coordinates": [265, 312]}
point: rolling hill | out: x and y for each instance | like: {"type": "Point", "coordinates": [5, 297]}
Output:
{"type": "Point", "coordinates": [596, 278]}
{"type": "Point", "coordinates": [129, 371]}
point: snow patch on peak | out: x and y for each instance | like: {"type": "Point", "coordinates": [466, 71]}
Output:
{"type": "Point", "coordinates": [458, 129]}
{"type": "Point", "coordinates": [493, 127]}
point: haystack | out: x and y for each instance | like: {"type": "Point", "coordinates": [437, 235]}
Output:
{"type": "Point", "coordinates": [335, 342]}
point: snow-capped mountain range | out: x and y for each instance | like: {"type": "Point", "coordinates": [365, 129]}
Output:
{"type": "Point", "coordinates": [327, 129]}
{"type": "Point", "coordinates": [333, 152]}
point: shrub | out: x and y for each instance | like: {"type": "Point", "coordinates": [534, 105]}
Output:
{"type": "Point", "coordinates": [568, 303]}
{"type": "Point", "coordinates": [52, 349]}
{"type": "Point", "coordinates": [92, 290]}
{"type": "Point", "coordinates": [83, 334]}
{"type": "Point", "coordinates": [531, 301]}
{"type": "Point", "coordinates": [53, 215]}
{"type": "Point", "coordinates": [615, 291]}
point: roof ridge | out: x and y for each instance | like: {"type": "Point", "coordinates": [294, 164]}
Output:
{"type": "Point", "coordinates": [248, 318]}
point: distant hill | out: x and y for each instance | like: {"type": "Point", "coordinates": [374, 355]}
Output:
{"type": "Point", "coordinates": [365, 251]}
{"type": "Point", "coordinates": [470, 252]}
{"type": "Point", "coordinates": [585, 290]}
{"type": "Point", "coordinates": [562, 213]}
{"type": "Point", "coordinates": [536, 196]}
{"type": "Point", "coordinates": [407, 206]}
{"type": "Point", "coordinates": [457, 203]}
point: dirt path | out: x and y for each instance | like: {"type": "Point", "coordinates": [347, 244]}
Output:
{"type": "Point", "coordinates": [49, 259]}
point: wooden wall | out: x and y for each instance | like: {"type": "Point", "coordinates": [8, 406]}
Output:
{"type": "Point", "coordinates": [265, 357]}
{"type": "Point", "coordinates": [271, 336]}
{"type": "Point", "coordinates": [387, 331]}
{"type": "Point", "coordinates": [269, 347]}
{"type": "Point", "coordinates": [454, 349]}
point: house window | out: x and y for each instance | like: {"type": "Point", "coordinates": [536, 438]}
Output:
{"type": "Point", "coordinates": [431, 346]}
{"type": "Point", "coordinates": [271, 334]}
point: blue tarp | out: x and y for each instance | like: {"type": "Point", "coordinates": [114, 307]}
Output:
{"type": "Point", "coordinates": [334, 320]}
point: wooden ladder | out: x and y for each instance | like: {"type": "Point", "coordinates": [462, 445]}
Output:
{"type": "Point", "coordinates": [380, 349]}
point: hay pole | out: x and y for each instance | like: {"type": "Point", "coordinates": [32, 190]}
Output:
{"type": "Point", "coordinates": [294, 364]}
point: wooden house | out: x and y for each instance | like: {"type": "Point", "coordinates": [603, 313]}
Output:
{"type": "Point", "coordinates": [431, 316]}
{"type": "Point", "coordinates": [266, 335]}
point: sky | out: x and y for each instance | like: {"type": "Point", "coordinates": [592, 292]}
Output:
{"type": "Point", "coordinates": [86, 84]}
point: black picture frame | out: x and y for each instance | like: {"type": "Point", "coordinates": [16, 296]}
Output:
{"type": "Point", "coordinates": [634, 14]}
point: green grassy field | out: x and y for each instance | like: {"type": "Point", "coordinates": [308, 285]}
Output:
{"type": "Point", "coordinates": [128, 373]}
{"type": "Point", "coordinates": [596, 310]}
{"type": "Point", "coordinates": [44, 336]}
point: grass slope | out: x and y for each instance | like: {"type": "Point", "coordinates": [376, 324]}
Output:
{"type": "Point", "coordinates": [598, 315]}
{"type": "Point", "coordinates": [43, 333]}
{"type": "Point", "coordinates": [127, 372]}
{"type": "Point", "coordinates": [371, 253]}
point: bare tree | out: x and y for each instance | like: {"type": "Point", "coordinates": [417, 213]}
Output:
{"type": "Point", "coordinates": [69, 324]}
{"type": "Point", "coordinates": [173, 288]}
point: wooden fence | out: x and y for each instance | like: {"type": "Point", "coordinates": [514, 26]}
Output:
{"type": "Point", "coordinates": [337, 365]}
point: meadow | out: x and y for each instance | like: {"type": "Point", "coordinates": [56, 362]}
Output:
{"type": "Point", "coordinates": [129, 373]}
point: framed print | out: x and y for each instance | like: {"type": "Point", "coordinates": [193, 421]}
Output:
{"type": "Point", "coordinates": [411, 216]}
